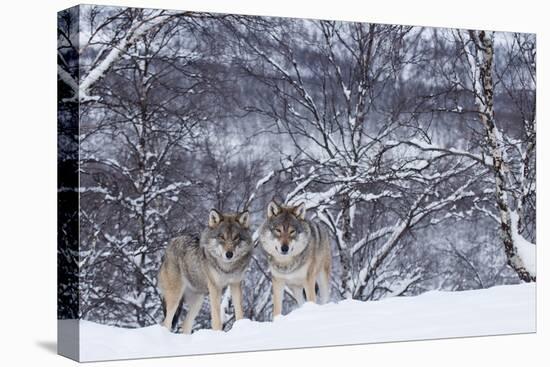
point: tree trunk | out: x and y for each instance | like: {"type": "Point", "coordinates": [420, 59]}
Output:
{"type": "Point", "coordinates": [345, 254]}
{"type": "Point", "coordinates": [484, 100]}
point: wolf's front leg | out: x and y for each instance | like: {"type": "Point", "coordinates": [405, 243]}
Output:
{"type": "Point", "coordinates": [215, 305]}
{"type": "Point", "coordinates": [297, 291]}
{"type": "Point", "coordinates": [278, 287]}
{"type": "Point", "coordinates": [310, 289]}
{"type": "Point", "coordinates": [237, 296]}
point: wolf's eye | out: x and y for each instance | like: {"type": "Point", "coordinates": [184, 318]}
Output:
{"type": "Point", "coordinates": [277, 231]}
{"type": "Point", "coordinates": [236, 238]}
{"type": "Point", "coordinates": [221, 237]}
{"type": "Point", "coordinates": [292, 232]}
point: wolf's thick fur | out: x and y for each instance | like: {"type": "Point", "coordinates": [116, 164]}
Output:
{"type": "Point", "coordinates": [298, 251]}
{"type": "Point", "coordinates": [193, 268]}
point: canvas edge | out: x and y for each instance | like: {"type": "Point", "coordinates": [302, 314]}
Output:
{"type": "Point", "coordinates": [68, 330]}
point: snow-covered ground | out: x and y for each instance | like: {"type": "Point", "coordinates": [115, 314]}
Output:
{"type": "Point", "coordinates": [498, 310]}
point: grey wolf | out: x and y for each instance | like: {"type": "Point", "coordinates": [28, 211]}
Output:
{"type": "Point", "coordinates": [298, 252]}
{"type": "Point", "coordinates": [193, 268]}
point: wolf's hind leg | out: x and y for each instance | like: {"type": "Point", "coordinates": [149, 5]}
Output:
{"type": "Point", "coordinates": [324, 286]}
{"type": "Point", "coordinates": [194, 300]}
{"type": "Point", "coordinates": [172, 286]}
{"type": "Point", "coordinates": [298, 293]}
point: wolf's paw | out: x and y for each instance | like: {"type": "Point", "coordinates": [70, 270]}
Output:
{"type": "Point", "coordinates": [185, 331]}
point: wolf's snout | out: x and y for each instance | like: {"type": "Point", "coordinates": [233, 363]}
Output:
{"type": "Point", "coordinates": [229, 254]}
{"type": "Point", "coordinates": [284, 248]}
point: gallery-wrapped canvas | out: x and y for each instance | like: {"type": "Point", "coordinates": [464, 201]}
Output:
{"type": "Point", "coordinates": [236, 183]}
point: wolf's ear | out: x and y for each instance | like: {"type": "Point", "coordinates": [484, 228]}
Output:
{"type": "Point", "coordinates": [273, 209]}
{"type": "Point", "coordinates": [300, 211]}
{"type": "Point", "coordinates": [214, 218]}
{"type": "Point", "coordinates": [244, 219]}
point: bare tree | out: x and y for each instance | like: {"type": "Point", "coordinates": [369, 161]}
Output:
{"type": "Point", "coordinates": [510, 193]}
{"type": "Point", "coordinates": [413, 146]}
{"type": "Point", "coordinates": [335, 107]}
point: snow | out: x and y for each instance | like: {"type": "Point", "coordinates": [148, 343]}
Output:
{"type": "Point", "coordinates": [499, 310]}
{"type": "Point", "coordinates": [431, 147]}
{"type": "Point", "coordinates": [99, 71]}
{"type": "Point", "coordinates": [314, 199]}
{"type": "Point", "coordinates": [371, 197]}
{"type": "Point", "coordinates": [458, 109]}
{"type": "Point", "coordinates": [265, 179]}
{"type": "Point", "coordinates": [346, 91]}
{"type": "Point", "coordinates": [526, 250]}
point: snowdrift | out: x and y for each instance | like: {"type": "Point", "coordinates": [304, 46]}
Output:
{"type": "Point", "coordinates": [499, 310]}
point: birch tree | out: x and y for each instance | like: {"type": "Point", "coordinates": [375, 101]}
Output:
{"type": "Point", "coordinates": [340, 108]}
{"type": "Point", "coordinates": [105, 36]}
{"type": "Point", "coordinates": [479, 53]}
{"type": "Point", "coordinates": [134, 145]}
{"type": "Point", "coordinates": [414, 147]}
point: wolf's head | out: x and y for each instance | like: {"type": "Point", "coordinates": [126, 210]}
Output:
{"type": "Point", "coordinates": [227, 236]}
{"type": "Point", "coordinates": [285, 231]}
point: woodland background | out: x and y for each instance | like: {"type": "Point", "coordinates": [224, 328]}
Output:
{"type": "Point", "coordinates": [414, 146]}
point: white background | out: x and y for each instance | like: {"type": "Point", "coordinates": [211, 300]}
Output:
{"type": "Point", "coordinates": [28, 181]}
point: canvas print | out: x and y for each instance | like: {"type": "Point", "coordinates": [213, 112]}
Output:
{"type": "Point", "coordinates": [237, 183]}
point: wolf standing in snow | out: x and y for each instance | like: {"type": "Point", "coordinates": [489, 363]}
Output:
{"type": "Point", "coordinates": [298, 252]}
{"type": "Point", "coordinates": [193, 268]}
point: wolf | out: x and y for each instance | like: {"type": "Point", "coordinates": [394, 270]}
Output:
{"type": "Point", "coordinates": [195, 267]}
{"type": "Point", "coordinates": [298, 253]}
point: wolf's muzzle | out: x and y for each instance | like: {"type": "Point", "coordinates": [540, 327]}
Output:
{"type": "Point", "coordinates": [284, 248]}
